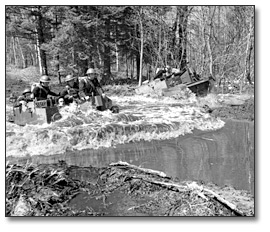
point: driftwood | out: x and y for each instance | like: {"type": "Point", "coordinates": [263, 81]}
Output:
{"type": "Point", "coordinates": [199, 190]}
{"type": "Point", "coordinates": [127, 165]}
{"type": "Point", "coordinates": [224, 202]}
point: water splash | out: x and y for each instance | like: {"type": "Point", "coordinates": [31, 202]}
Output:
{"type": "Point", "coordinates": [82, 127]}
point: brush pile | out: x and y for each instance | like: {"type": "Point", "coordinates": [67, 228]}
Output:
{"type": "Point", "coordinates": [120, 189]}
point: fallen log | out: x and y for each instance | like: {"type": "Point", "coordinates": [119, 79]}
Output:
{"type": "Point", "coordinates": [199, 190]}
{"type": "Point", "coordinates": [224, 202]}
{"type": "Point", "coordinates": [125, 164]}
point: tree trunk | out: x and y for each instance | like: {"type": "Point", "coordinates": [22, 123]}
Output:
{"type": "Point", "coordinates": [39, 41]}
{"type": "Point", "coordinates": [33, 59]}
{"type": "Point", "coordinates": [141, 49]}
{"type": "Point", "coordinates": [58, 68]}
{"type": "Point", "coordinates": [57, 55]}
{"type": "Point", "coordinates": [39, 55]}
{"type": "Point", "coordinates": [210, 55]}
{"type": "Point", "coordinates": [159, 46]}
{"type": "Point", "coordinates": [181, 35]}
{"type": "Point", "coordinates": [138, 66]}
{"type": "Point", "coordinates": [23, 57]}
{"type": "Point", "coordinates": [132, 67]}
{"type": "Point", "coordinates": [107, 52]}
{"type": "Point", "coordinates": [248, 56]}
{"type": "Point", "coordinates": [14, 52]}
{"type": "Point", "coordinates": [99, 56]}
{"type": "Point", "coordinates": [126, 65]}
{"type": "Point", "coordinates": [117, 58]}
{"type": "Point", "coordinates": [208, 40]}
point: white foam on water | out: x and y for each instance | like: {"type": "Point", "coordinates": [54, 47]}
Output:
{"type": "Point", "coordinates": [140, 118]}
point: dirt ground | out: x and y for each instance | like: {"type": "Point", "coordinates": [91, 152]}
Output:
{"type": "Point", "coordinates": [117, 190]}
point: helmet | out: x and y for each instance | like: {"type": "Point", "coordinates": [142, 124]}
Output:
{"type": "Point", "coordinates": [26, 91]}
{"type": "Point", "coordinates": [114, 109]}
{"type": "Point", "coordinates": [45, 79]}
{"type": "Point", "coordinates": [91, 70]}
{"type": "Point", "coordinates": [69, 78]}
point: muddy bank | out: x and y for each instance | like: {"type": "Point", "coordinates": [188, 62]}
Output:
{"type": "Point", "coordinates": [244, 111]}
{"type": "Point", "coordinates": [117, 190]}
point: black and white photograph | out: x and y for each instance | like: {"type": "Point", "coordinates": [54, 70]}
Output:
{"type": "Point", "coordinates": [130, 111]}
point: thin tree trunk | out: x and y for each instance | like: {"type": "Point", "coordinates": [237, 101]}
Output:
{"type": "Point", "coordinates": [208, 42]}
{"type": "Point", "coordinates": [99, 56]}
{"type": "Point", "coordinates": [107, 52]}
{"type": "Point", "coordinates": [141, 58]}
{"type": "Point", "coordinates": [57, 55]}
{"type": "Point", "coordinates": [210, 56]}
{"type": "Point", "coordinates": [14, 52]}
{"type": "Point", "coordinates": [117, 58]}
{"type": "Point", "coordinates": [39, 55]}
{"type": "Point", "coordinates": [159, 46]}
{"type": "Point", "coordinates": [132, 67]}
{"type": "Point", "coordinates": [39, 41]}
{"type": "Point", "coordinates": [248, 56]}
{"type": "Point", "coordinates": [202, 53]}
{"type": "Point", "coordinates": [23, 57]}
{"type": "Point", "coordinates": [126, 65]}
{"type": "Point", "coordinates": [33, 59]}
{"type": "Point", "coordinates": [138, 66]}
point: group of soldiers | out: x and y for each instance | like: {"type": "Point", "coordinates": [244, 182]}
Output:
{"type": "Point", "coordinates": [86, 89]}
{"type": "Point", "coordinates": [168, 72]}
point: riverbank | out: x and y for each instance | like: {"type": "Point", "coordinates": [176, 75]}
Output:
{"type": "Point", "coordinates": [117, 190]}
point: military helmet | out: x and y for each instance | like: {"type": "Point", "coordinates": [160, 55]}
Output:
{"type": "Point", "coordinates": [45, 79]}
{"type": "Point", "coordinates": [91, 70]}
{"type": "Point", "coordinates": [26, 91]}
{"type": "Point", "coordinates": [69, 78]}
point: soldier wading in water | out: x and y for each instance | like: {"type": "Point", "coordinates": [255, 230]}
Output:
{"type": "Point", "coordinates": [91, 90]}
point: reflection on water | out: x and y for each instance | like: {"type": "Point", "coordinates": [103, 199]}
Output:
{"type": "Point", "coordinates": [224, 157]}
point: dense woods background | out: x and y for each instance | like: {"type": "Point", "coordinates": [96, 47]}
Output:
{"type": "Point", "coordinates": [132, 41]}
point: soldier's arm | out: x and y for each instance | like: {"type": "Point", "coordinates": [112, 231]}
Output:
{"type": "Point", "coordinates": [81, 89]}
{"type": "Point", "coordinates": [53, 93]}
{"type": "Point", "coordinates": [35, 92]}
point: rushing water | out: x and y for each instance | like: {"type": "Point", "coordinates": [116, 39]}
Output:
{"type": "Point", "coordinates": [172, 136]}
{"type": "Point", "coordinates": [141, 118]}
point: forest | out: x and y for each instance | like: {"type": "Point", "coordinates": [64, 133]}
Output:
{"type": "Point", "coordinates": [133, 41]}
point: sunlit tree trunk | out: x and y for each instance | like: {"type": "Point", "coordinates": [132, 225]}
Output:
{"type": "Point", "coordinates": [141, 49]}
{"type": "Point", "coordinates": [39, 41]}
{"type": "Point", "coordinates": [23, 57]}
{"type": "Point", "coordinates": [14, 52]}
